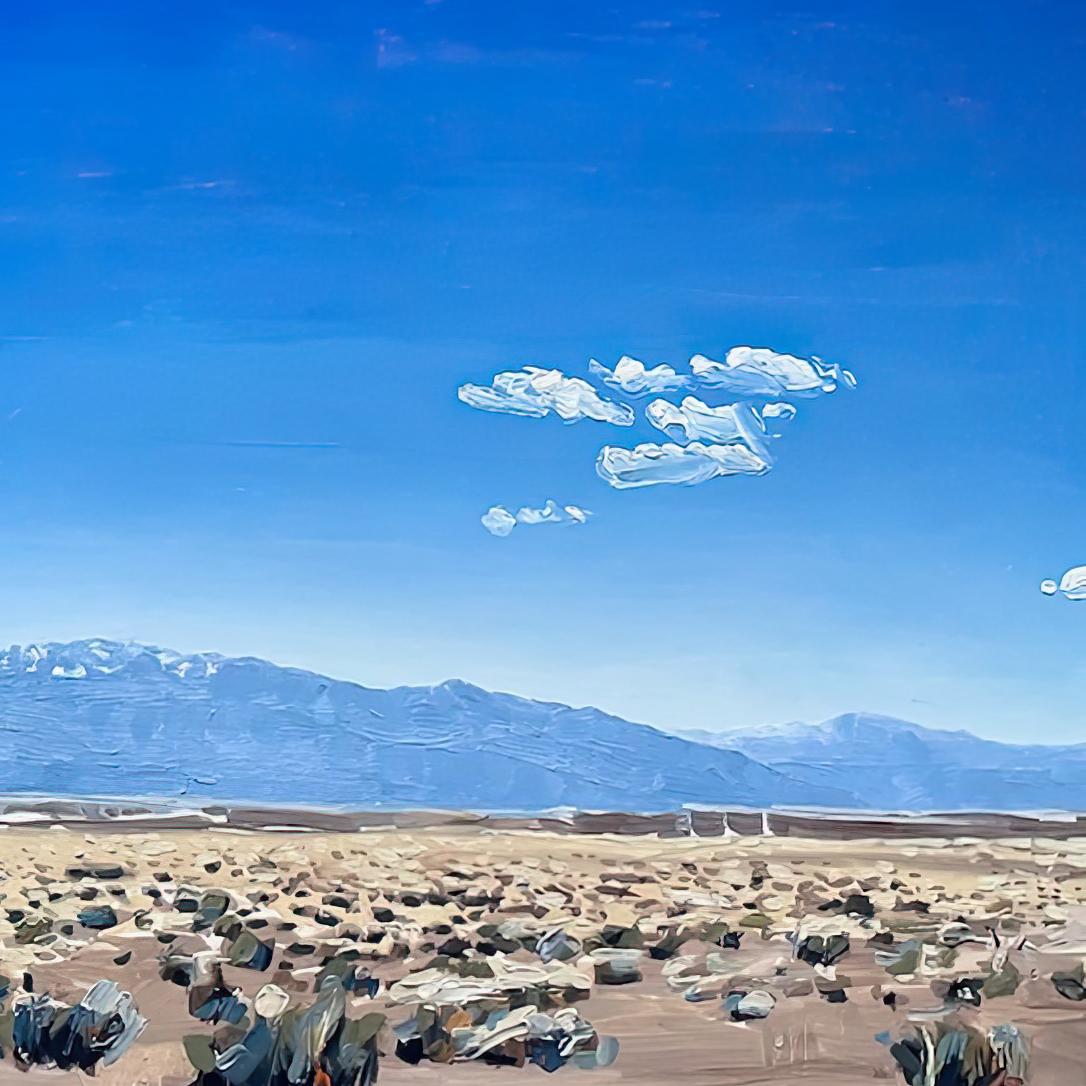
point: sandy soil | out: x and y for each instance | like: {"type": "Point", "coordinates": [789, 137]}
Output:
{"type": "Point", "coordinates": [413, 890]}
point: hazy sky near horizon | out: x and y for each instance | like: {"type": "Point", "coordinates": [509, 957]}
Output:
{"type": "Point", "coordinates": [249, 254]}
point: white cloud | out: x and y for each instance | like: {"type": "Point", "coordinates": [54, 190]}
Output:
{"type": "Point", "coordinates": [758, 371]}
{"type": "Point", "coordinates": [538, 392]}
{"type": "Point", "coordinates": [650, 464]}
{"type": "Point", "coordinates": [552, 513]}
{"type": "Point", "coordinates": [778, 411]}
{"type": "Point", "coordinates": [631, 376]}
{"type": "Point", "coordinates": [706, 442]}
{"type": "Point", "coordinates": [500, 522]}
{"type": "Point", "coordinates": [693, 420]}
{"type": "Point", "coordinates": [1072, 584]}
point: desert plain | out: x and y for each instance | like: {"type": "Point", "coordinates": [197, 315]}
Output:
{"type": "Point", "coordinates": [598, 958]}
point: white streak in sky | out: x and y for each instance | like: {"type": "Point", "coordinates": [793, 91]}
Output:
{"type": "Point", "coordinates": [537, 392]}
{"type": "Point", "coordinates": [758, 371]}
{"type": "Point", "coordinates": [631, 377]}
{"type": "Point", "coordinates": [500, 522]}
{"type": "Point", "coordinates": [1072, 584]}
{"type": "Point", "coordinates": [650, 464]}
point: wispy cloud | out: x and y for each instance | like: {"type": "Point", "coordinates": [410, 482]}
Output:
{"type": "Point", "coordinates": [1072, 584]}
{"type": "Point", "coordinates": [289, 445]}
{"type": "Point", "coordinates": [498, 521]}
{"type": "Point", "coordinates": [392, 51]}
{"type": "Point", "coordinates": [201, 186]}
{"type": "Point", "coordinates": [278, 39]}
{"type": "Point", "coordinates": [759, 371]}
{"type": "Point", "coordinates": [678, 465]}
{"type": "Point", "coordinates": [631, 377]}
{"type": "Point", "coordinates": [537, 392]}
{"type": "Point", "coordinates": [778, 411]}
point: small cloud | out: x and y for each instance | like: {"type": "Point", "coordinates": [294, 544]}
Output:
{"type": "Point", "coordinates": [1072, 584]}
{"type": "Point", "coordinates": [785, 412]}
{"type": "Point", "coordinates": [500, 522]}
{"type": "Point", "coordinates": [778, 411]}
{"type": "Point", "coordinates": [693, 420]}
{"type": "Point", "coordinates": [631, 377]}
{"type": "Point", "coordinates": [676, 465]}
{"type": "Point", "coordinates": [497, 520]}
{"type": "Point", "coordinates": [277, 39]}
{"type": "Point", "coordinates": [759, 371]}
{"type": "Point", "coordinates": [536, 392]}
{"type": "Point", "coordinates": [653, 24]}
{"type": "Point", "coordinates": [92, 175]}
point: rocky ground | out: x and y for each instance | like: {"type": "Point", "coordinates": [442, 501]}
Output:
{"type": "Point", "coordinates": [439, 955]}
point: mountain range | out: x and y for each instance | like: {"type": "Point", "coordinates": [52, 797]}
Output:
{"type": "Point", "coordinates": [890, 764]}
{"type": "Point", "coordinates": [105, 718]}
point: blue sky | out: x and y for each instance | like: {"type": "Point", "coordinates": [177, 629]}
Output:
{"type": "Point", "coordinates": [248, 255]}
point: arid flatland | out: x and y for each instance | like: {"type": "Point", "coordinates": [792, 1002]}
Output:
{"type": "Point", "coordinates": [849, 946]}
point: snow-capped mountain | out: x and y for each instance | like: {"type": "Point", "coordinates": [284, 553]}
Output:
{"type": "Point", "coordinates": [106, 718]}
{"type": "Point", "coordinates": [894, 764]}
{"type": "Point", "coordinates": [103, 718]}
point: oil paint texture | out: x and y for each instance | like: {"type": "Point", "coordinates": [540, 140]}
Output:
{"type": "Point", "coordinates": [542, 540]}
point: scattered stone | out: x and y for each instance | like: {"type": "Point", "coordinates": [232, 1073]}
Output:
{"type": "Point", "coordinates": [102, 871]}
{"type": "Point", "coordinates": [558, 945]}
{"type": "Point", "coordinates": [98, 917]}
{"type": "Point", "coordinates": [745, 1006]}
{"type": "Point", "coordinates": [614, 966]}
{"type": "Point", "coordinates": [1070, 984]}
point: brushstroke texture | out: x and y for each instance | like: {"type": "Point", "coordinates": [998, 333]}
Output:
{"type": "Point", "coordinates": [1072, 584]}
{"type": "Point", "coordinates": [650, 464]}
{"type": "Point", "coordinates": [98, 717]}
{"type": "Point", "coordinates": [693, 420]}
{"type": "Point", "coordinates": [537, 392]}
{"type": "Point", "coordinates": [498, 521]}
{"type": "Point", "coordinates": [633, 378]}
{"type": "Point", "coordinates": [891, 764]}
{"type": "Point", "coordinates": [759, 371]}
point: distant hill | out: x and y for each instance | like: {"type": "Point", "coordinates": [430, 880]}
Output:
{"type": "Point", "coordinates": [889, 763]}
{"type": "Point", "coordinates": [104, 718]}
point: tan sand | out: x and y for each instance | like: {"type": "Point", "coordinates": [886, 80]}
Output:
{"type": "Point", "coordinates": [1026, 889]}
